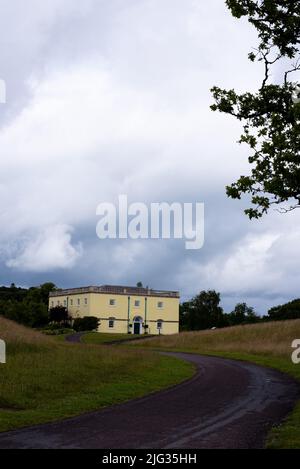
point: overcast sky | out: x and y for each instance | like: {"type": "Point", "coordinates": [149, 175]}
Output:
{"type": "Point", "coordinates": [112, 97]}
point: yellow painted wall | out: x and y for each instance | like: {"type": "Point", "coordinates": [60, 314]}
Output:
{"type": "Point", "coordinates": [98, 304]}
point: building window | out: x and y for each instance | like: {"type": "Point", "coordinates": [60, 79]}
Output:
{"type": "Point", "coordinates": [160, 324]}
{"type": "Point", "coordinates": [112, 302]}
{"type": "Point", "coordinates": [58, 303]}
{"type": "Point", "coordinates": [137, 303]}
{"type": "Point", "coordinates": [111, 323]}
{"type": "Point", "coordinates": [71, 302]}
{"type": "Point", "coordinates": [65, 303]}
{"type": "Point", "coordinates": [160, 305]}
{"type": "Point", "coordinates": [78, 301]}
{"type": "Point", "coordinates": [52, 304]}
{"type": "Point", "coordinates": [85, 301]}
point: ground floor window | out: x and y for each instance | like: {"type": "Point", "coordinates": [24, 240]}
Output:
{"type": "Point", "coordinates": [111, 323]}
{"type": "Point", "coordinates": [159, 324]}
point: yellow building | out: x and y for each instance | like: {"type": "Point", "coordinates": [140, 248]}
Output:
{"type": "Point", "coordinates": [123, 309]}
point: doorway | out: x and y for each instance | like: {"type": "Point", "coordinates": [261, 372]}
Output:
{"type": "Point", "coordinates": [137, 325]}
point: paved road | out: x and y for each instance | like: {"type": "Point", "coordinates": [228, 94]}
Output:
{"type": "Point", "coordinates": [227, 404]}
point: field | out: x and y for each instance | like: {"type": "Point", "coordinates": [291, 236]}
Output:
{"type": "Point", "coordinates": [267, 344]}
{"type": "Point", "coordinates": [45, 379]}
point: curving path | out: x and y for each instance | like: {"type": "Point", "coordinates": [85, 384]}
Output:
{"type": "Point", "coordinates": [227, 404]}
{"type": "Point", "coordinates": [75, 338]}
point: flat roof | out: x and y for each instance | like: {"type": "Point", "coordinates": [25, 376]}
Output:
{"type": "Point", "coordinates": [117, 290]}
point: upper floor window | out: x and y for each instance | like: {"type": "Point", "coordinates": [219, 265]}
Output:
{"type": "Point", "coordinates": [160, 304]}
{"type": "Point", "coordinates": [58, 303]}
{"type": "Point", "coordinates": [85, 301]}
{"type": "Point", "coordinates": [137, 303]}
{"type": "Point", "coordinates": [65, 302]}
{"type": "Point", "coordinates": [52, 304]}
{"type": "Point", "coordinates": [78, 301]}
{"type": "Point", "coordinates": [71, 302]}
{"type": "Point", "coordinates": [112, 302]}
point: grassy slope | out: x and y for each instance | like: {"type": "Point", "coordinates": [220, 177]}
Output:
{"type": "Point", "coordinates": [266, 344]}
{"type": "Point", "coordinates": [45, 379]}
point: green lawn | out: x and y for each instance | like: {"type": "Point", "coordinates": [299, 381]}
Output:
{"type": "Point", "coordinates": [45, 379]}
{"type": "Point", "coordinates": [266, 344]}
{"type": "Point", "coordinates": [100, 338]}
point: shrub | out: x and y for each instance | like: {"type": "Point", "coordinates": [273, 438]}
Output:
{"type": "Point", "coordinates": [59, 314]}
{"type": "Point", "coordinates": [88, 323]}
{"type": "Point", "coordinates": [59, 331]}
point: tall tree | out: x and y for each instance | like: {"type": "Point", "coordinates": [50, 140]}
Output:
{"type": "Point", "coordinates": [203, 311]}
{"type": "Point", "coordinates": [242, 314]}
{"type": "Point", "coordinates": [271, 116]}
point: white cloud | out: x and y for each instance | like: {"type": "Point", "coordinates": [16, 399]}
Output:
{"type": "Point", "coordinates": [49, 250]}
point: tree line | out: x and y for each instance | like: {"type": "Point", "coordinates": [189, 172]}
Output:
{"type": "Point", "coordinates": [204, 312]}
{"type": "Point", "coordinates": [29, 306]}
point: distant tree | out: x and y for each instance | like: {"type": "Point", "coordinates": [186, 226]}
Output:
{"type": "Point", "coordinates": [29, 313]}
{"type": "Point", "coordinates": [87, 323]}
{"type": "Point", "coordinates": [203, 312]}
{"type": "Point", "coordinates": [12, 293]}
{"type": "Point", "coordinates": [242, 314]}
{"type": "Point", "coordinates": [290, 310]}
{"type": "Point", "coordinates": [26, 306]}
{"type": "Point", "coordinates": [59, 314]}
{"type": "Point", "coordinates": [41, 293]}
{"type": "Point", "coordinates": [183, 315]}
{"type": "Point", "coordinates": [45, 289]}
{"type": "Point", "coordinates": [139, 285]}
{"type": "Point", "coordinates": [37, 314]}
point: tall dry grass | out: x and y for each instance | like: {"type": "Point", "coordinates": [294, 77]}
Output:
{"type": "Point", "coordinates": [272, 338]}
{"type": "Point", "coordinates": [16, 334]}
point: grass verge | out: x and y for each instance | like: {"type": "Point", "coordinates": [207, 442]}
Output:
{"type": "Point", "coordinates": [45, 379]}
{"type": "Point", "coordinates": [267, 344]}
